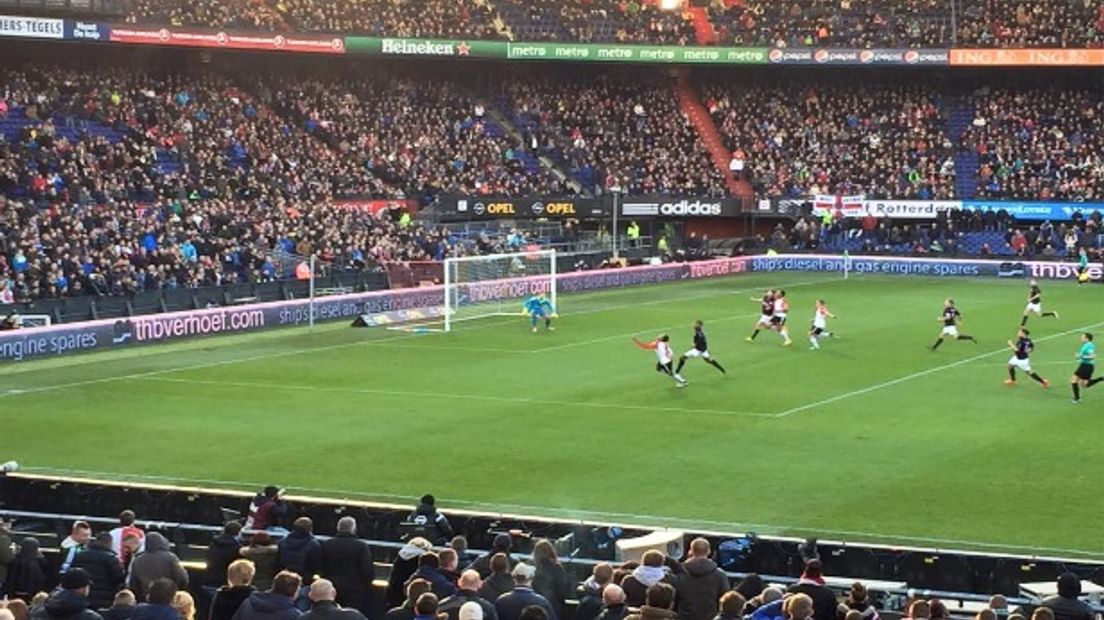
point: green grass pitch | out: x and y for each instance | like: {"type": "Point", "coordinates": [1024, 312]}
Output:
{"type": "Point", "coordinates": [873, 438]}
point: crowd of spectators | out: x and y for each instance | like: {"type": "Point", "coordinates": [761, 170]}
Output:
{"type": "Point", "coordinates": [1031, 23]}
{"type": "Point", "coordinates": [616, 132]}
{"type": "Point", "coordinates": [1043, 143]}
{"type": "Point", "coordinates": [468, 19]}
{"type": "Point", "coordinates": [243, 14]}
{"type": "Point", "coordinates": [834, 23]}
{"type": "Point", "coordinates": [603, 21]}
{"type": "Point", "coordinates": [850, 137]}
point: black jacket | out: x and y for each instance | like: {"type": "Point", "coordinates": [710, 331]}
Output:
{"type": "Point", "coordinates": [482, 564]}
{"type": "Point", "coordinates": [67, 605]}
{"type": "Point", "coordinates": [399, 613]}
{"type": "Point", "coordinates": [300, 553]}
{"type": "Point", "coordinates": [150, 611]}
{"type": "Point", "coordinates": [27, 572]}
{"type": "Point", "coordinates": [509, 606]}
{"type": "Point", "coordinates": [452, 605]}
{"type": "Point", "coordinates": [552, 583]}
{"type": "Point", "coordinates": [329, 610]}
{"type": "Point", "coordinates": [221, 551]}
{"type": "Point", "coordinates": [825, 602]}
{"type": "Point", "coordinates": [1066, 608]}
{"type": "Point", "coordinates": [227, 600]}
{"type": "Point", "coordinates": [105, 570]}
{"type": "Point", "coordinates": [401, 570]}
{"type": "Point", "coordinates": [122, 612]}
{"type": "Point", "coordinates": [266, 606]}
{"type": "Point", "coordinates": [495, 586]}
{"type": "Point", "coordinates": [438, 528]}
{"type": "Point", "coordinates": [614, 612]}
{"type": "Point", "coordinates": [590, 604]}
{"type": "Point", "coordinates": [347, 562]}
{"type": "Point", "coordinates": [699, 589]}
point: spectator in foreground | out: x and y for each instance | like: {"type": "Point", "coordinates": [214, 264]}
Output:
{"type": "Point", "coordinates": [811, 583]}
{"type": "Point", "coordinates": [104, 569]}
{"type": "Point", "coordinates": [425, 608]}
{"type": "Point", "coordinates": [414, 590]}
{"type": "Point", "coordinates": [659, 603]}
{"type": "Point", "coordinates": [468, 592]}
{"type": "Point", "coordinates": [502, 544]}
{"type": "Point", "coordinates": [238, 587]}
{"type": "Point", "coordinates": [276, 604]}
{"type": "Point", "coordinates": [300, 551]}
{"type": "Point", "coordinates": [500, 582]}
{"type": "Point", "coordinates": [509, 605]}
{"type": "Point", "coordinates": [223, 549]}
{"type": "Point", "coordinates": [858, 599]}
{"type": "Point", "coordinates": [613, 603]}
{"type": "Point", "coordinates": [590, 592]}
{"type": "Point", "coordinates": [998, 603]}
{"type": "Point", "coordinates": [551, 579]}
{"type": "Point", "coordinates": [122, 607]}
{"type": "Point", "coordinates": [798, 607]}
{"type": "Point", "coordinates": [263, 553]}
{"type": "Point", "coordinates": [1065, 604]}
{"type": "Point", "coordinates": [347, 562]}
{"type": "Point", "coordinates": [158, 605]}
{"type": "Point", "coordinates": [437, 526]}
{"type": "Point", "coordinates": [27, 572]}
{"type": "Point", "coordinates": [650, 572]}
{"type": "Point", "coordinates": [731, 606]}
{"type": "Point", "coordinates": [404, 566]}
{"type": "Point", "coordinates": [323, 597]}
{"type": "Point", "coordinates": [919, 610]}
{"type": "Point", "coordinates": [184, 605]}
{"type": "Point", "coordinates": [700, 586]}
{"type": "Point", "coordinates": [429, 568]}
{"type": "Point", "coordinates": [70, 600]}
{"type": "Point", "coordinates": [156, 562]}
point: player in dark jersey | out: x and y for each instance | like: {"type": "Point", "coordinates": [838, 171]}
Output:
{"type": "Point", "coordinates": [1021, 358]}
{"type": "Point", "coordinates": [767, 313]}
{"type": "Point", "coordinates": [701, 349]}
{"type": "Point", "coordinates": [1035, 304]}
{"type": "Point", "coordinates": [950, 318]}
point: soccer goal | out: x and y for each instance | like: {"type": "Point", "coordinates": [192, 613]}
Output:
{"type": "Point", "coordinates": [495, 285]}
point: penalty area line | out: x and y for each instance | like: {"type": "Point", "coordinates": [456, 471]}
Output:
{"type": "Point", "coordinates": [922, 373]}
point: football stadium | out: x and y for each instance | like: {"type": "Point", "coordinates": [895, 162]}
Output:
{"type": "Point", "coordinates": [551, 309]}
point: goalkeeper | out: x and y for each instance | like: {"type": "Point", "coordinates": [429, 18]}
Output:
{"type": "Point", "coordinates": [538, 307]}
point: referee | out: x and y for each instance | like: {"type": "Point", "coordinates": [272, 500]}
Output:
{"type": "Point", "coordinates": [1083, 376]}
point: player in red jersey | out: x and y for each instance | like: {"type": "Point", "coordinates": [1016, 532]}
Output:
{"type": "Point", "coordinates": [767, 311]}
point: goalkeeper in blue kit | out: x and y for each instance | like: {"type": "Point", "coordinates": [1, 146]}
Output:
{"type": "Point", "coordinates": [539, 307]}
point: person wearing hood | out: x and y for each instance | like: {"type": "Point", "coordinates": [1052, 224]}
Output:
{"type": "Point", "coordinates": [221, 552]}
{"type": "Point", "coordinates": [500, 582]}
{"type": "Point", "coordinates": [347, 562]}
{"type": "Point", "coordinates": [70, 600]}
{"type": "Point", "coordinates": [323, 597]}
{"type": "Point", "coordinates": [276, 604]}
{"type": "Point", "coordinates": [429, 568]}
{"type": "Point", "coordinates": [156, 562]}
{"type": "Point", "coordinates": [414, 590]}
{"type": "Point", "coordinates": [613, 603]}
{"type": "Point", "coordinates": [650, 572]}
{"type": "Point", "coordinates": [159, 602]}
{"type": "Point", "coordinates": [659, 603]}
{"type": "Point", "coordinates": [262, 552]}
{"type": "Point", "coordinates": [700, 586]}
{"type": "Point", "coordinates": [1066, 605]}
{"type": "Point", "coordinates": [731, 606]}
{"type": "Point", "coordinates": [509, 605]}
{"type": "Point", "coordinates": [122, 606]}
{"type": "Point", "coordinates": [104, 568]}
{"type": "Point", "coordinates": [589, 592]}
{"type": "Point", "coordinates": [502, 544]}
{"type": "Point", "coordinates": [27, 572]}
{"type": "Point", "coordinates": [403, 567]}
{"type": "Point", "coordinates": [468, 592]}
{"type": "Point", "coordinates": [238, 587]}
{"type": "Point", "coordinates": [300, 551]}
{"type": "Point", "coordinates": [811, 583]}
{"type": "Point", "coordinates": [436, 525]}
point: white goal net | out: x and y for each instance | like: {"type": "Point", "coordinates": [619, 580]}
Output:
{"type": "Point", "coordinates": [496, 285]}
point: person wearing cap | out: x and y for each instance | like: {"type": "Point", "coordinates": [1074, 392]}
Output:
{"type": "Point", "coordinates": [70, 600]}
{"type": "Point", "coordinates": [103, 566]}
{"type": "Point", "coordinates": [437, 526]}
{"type": "Point", "coordinates": [403, 567]}
{"type": "Point", "coordinates": [509, 605]}
{"type": "Point", "coordinates": [500, 582]}
{"type": "Point", "coordinates": [700, 586]}
{"type": "Point", "coordinates": [613, 603]}
{"type": "Point", "coordinates": [503, 542]}
{"type": "Point", "coordinates": [468, 593]}
{"type": "Point", "coordinates": [323, 598]}
{"type": "Point", "coordinates": [811, 583]}
{"type": "Point", "coordinates": [347, 561]}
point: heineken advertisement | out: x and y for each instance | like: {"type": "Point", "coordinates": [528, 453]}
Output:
{"type": "Point", "coordinates": [507, 50]}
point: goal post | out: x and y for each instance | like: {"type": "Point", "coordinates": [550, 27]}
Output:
{"type": "Point", "coordinates": [495, 285]}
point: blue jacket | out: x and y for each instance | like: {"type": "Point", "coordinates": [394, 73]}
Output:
{"type": "Point", "coordinates": [442, 587]}
{"type": "Point", "coordinates": [509, 605]}
{"type": "Point", "coordinates": [150, 611]}
{"type": "Point", "coordinates": [770, 611]}
{"type": "Point", "coordinates": [301, 553]}
{"type": "Point", "coordinates": [266, 606]}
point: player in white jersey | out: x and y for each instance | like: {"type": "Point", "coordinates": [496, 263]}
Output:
{"type": "Point", "coordinates": [820, 324]}
{"type": "Point", "coordinates": [778, 319]}
{"type": "Point", "coordinates": [664, 356]}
